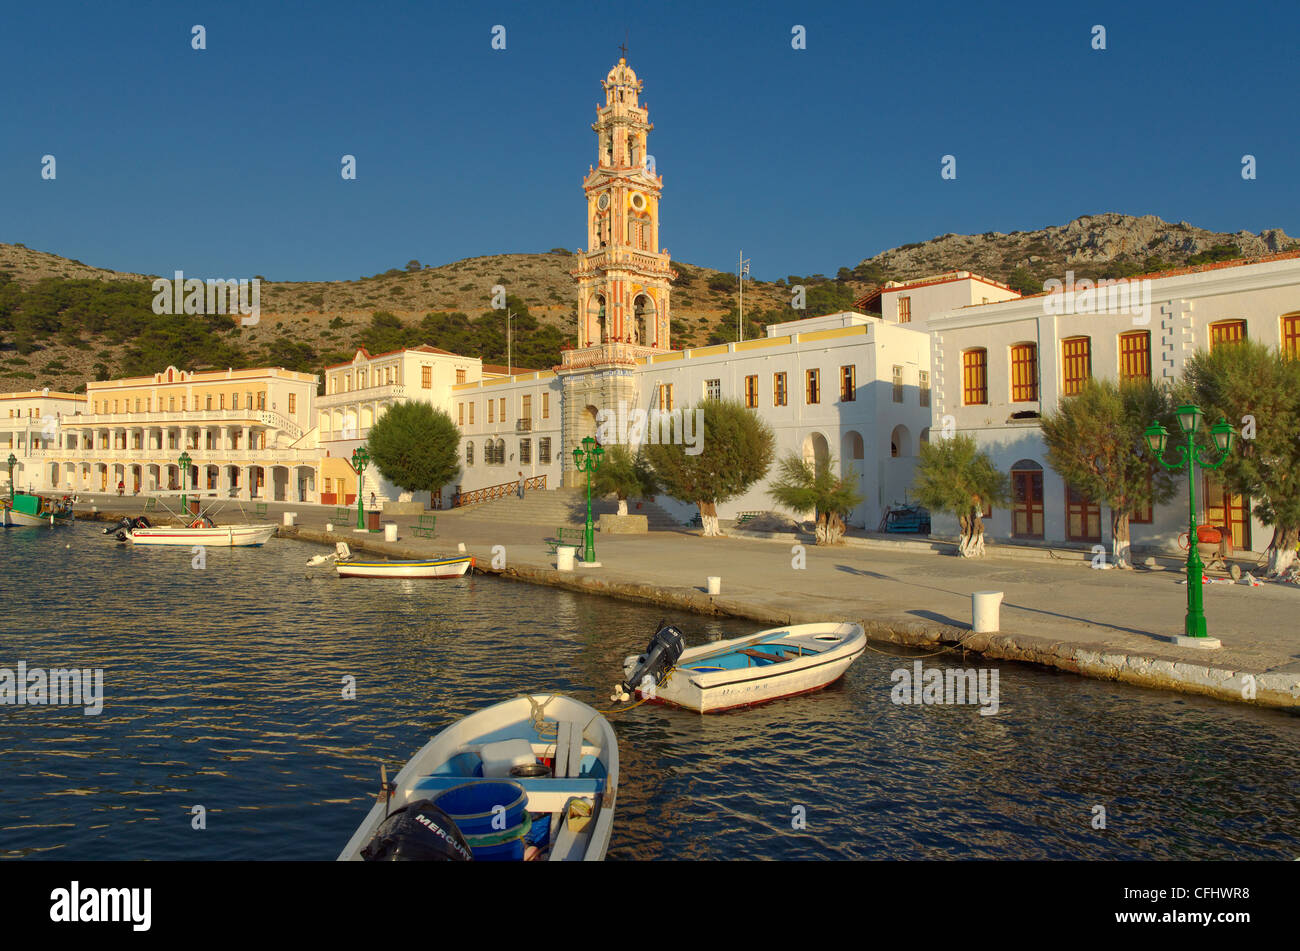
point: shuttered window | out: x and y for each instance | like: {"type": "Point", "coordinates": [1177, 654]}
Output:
{"type": "Point", "coordinates": [1024, 373]}
{"type": "Point", "coordinates": [1076, 364]}
{"type": "Point", "coordinates": [975, 378]}
{"type": "Point", "coordinates": [1135, 355]}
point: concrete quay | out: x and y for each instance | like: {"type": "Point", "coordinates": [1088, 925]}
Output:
{"type": "Point", "coordinates": [1111, 625]}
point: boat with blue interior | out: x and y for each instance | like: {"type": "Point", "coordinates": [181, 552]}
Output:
{"type": "Point", "coordinates": [533, 778]}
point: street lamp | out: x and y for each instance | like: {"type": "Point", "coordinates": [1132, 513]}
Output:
{"type": "Point", "coordinates": [360, 459]}
{"type": "Point", "coordinates": [586, 458]}
{"type": "Point", "coordinates": [13, 461]}
{"type": "Point", "coordinates": [184, 462]}
{"type": "Point", "coordinates": [1157, 439]}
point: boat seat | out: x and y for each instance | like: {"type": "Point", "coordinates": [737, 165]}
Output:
{"type": "Point", "coordinates": [767, 656]}
{"type": "Point", "coordinates": [568, 749]}
{"type": "Point", "coordinates": [545, 794]}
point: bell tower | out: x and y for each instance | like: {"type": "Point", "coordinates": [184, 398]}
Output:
{"type": "Point", "coordinates": [623, 277]}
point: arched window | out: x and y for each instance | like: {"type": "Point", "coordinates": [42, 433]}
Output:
{"type": "Point", "coordinates": [1076, 364]}
{"type": "Point", "coordinates": [469, 454]}
{"type": "Point", "coordinates": [1227, 331]}
{"type": "Point", "coordinates": [1291, 334]}
{"type": "Point", "coordinates": [1024, 373]}
{"type": "Point", "coordinates": [1135, 355]}
{"type": "Point", "coordinates": [975, 377]}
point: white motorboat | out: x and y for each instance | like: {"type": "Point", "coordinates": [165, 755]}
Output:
{"type": "Point", "coordinates": [743, 671]}
{"type": "Point", "coordinates": [536, 774]}
{"type": "Point", "coordinates": [411, 568]}
{"type": "Point", "coordinates": [220, 536]}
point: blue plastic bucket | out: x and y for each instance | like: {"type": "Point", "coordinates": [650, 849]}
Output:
{"type": "Point", "coordinates": [474, 806]}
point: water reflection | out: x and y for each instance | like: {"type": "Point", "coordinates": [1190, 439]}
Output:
{"type": "Point", "coordinates": [226, 687]}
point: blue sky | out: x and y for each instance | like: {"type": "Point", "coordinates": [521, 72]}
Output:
{"type": "Point", "coordinates": [225, 162]}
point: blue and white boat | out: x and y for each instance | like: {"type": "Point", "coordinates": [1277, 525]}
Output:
{"type": "Point", "coordinates": [533, 777]}
{"type": "Point", "coordinates": [746, 670]}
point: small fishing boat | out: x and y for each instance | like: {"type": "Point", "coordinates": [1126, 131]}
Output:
{"type": "Point", "coordinates": [26, 509]}
{"type": "Point", "coordinates": [202, 531]}
{"type": "Point", "coordinates": [743, 671]}
{"type": "Point", "coordinates": [411, 568]}
{"type": "Point", "coordinates": [531, 778]}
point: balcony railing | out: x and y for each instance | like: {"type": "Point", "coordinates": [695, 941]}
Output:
{"type": "Point", "coordinates": [382, 391]}
{"type": "Point", "coordinates": [524, 425]}
{"type": "Point", "coordinates": [619, 353]}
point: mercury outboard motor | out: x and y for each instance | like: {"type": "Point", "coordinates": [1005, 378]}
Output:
{"type": "Point", "coordinates": [420, 832]}
{"type": "Point", "coordinates": [659, 658]}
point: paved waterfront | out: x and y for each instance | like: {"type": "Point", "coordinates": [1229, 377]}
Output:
{"type": "Point", "coordinates": [1109, 624]}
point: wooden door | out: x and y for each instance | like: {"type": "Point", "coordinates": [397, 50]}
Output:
{"type": "Point", "coordinates": [1026, 503]}
{"type": "Point", "coordinates": [1222, 508]}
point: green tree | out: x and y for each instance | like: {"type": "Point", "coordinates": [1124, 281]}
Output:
{"type": "Point", "coordinates": [1094, 440]}
{"type": "Point", "coordinates": [732, 450]}
{"type": "Point", "coordinates": [1258, 389]}
{"type": "Point", "coordinates": [802, 486]}
{"type": "Point", "coordinates": [1023, 280]}
{"type": "Point", "coordinates": [624, 476]}
{"type": "Point", "coordinates": [416, 447]}
{"type": "Point", "coordinates": [952, 476]}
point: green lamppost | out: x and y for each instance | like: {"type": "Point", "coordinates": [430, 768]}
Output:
{"type": "Point", "coordinates": [360, 459]}
{"type": "Point", "coordinates": [586, 458]}
{"type": "Point", "coordinates": [1189, 456]}
{"type": "Point", "coordinates": [184, 462]}
{"type": "Point", "coordinates": [13, 461]}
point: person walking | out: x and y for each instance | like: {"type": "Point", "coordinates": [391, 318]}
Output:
{"type": "Point", "coordinates": [521, 486]}
{"type": "Point", "coordinates": [121, 487]}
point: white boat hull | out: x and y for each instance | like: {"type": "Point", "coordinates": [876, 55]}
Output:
{"type": "Point", "coordinates": [837, 644]}
{"type": "Point", "coordinates": [222, 536]}
{"type": "Point", "coordinates": [513, 720]}
{"type": "Point", "coordinates": [437, 568]}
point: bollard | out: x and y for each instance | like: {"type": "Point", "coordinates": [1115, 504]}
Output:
{"type": "Point", "coordinates": [564, 556]}
{"type": "Point", "coordinates": [460, 548]}
{"type": "Point", "coordinates": [390, 531]}
{"type": "Point", "coordinates": [984, 611]}
{"type": "Point", "coordinates": [715, 584]}
{"type": "Point", "coordinates": [329, 527]}
{"type": "Point", "coordinates": [290, 518]}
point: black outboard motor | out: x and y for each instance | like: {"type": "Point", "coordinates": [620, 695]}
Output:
{"type": "Point", "coordinates": [420, 832]}
{"type": "Point", "coordinates": [125, 525]}
{"type": "Point", "coordinates": [659, 658]}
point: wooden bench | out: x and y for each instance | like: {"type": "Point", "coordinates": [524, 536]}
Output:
{"type": "Point", "coordinates": [426, 526]}
{"type": "Point", "coordinates": [575, 537]}
{"type": "Point", "coordinates": [261, 510]}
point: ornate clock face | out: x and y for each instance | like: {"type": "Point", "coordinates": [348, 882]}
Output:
{"type": "Point", "coordinates": [603, 202]}
{"type": "Point", "coordinates": [638, 201]}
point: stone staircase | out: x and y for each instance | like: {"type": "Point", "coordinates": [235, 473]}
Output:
{"type": "Point", "coordinates": [555, 507]}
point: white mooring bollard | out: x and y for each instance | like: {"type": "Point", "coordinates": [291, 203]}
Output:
{"type": "Point", "coordinates": [329, 527]}
{"type": "Point", "coordinates": [290, 519]}
{"type": "Point", "coordinates": [715, 584]}
{"type": "Point", "coordinates": [460, 548]}
{"type": "Point", "coordinates": [564, 556]}
{"type": "Point", "coordinates": [984, 611]}
{"type": "Point", "coordinates": [390, 531]}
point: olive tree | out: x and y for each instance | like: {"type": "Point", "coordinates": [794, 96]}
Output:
{"type": "Point", "coordinates": [1094, 440]}
{"type": "Point", "coordinates": [953, 476]}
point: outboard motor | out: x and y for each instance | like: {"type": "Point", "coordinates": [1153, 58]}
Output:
{"type": "Point", "coordinates": [420, 832]}
{"type": "Point", "coordinates": [659, 658]}
{"type": "Point", "coordinates": [122, 526]}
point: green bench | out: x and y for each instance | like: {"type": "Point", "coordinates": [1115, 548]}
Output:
{"type": "Point", "coordinates": [575, 537]}
{"type": "Point", "coordinates": [426, 526]}
{"type": "Point", "coordinates": [746, 516]}
{"type": "Point", "coordinates": [151, 505]}
{"type": "Point", "coordinates": [343, 514]}
{"type": "Point", "coordinates": [261, 510]}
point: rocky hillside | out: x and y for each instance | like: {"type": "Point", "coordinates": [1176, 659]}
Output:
{"type": "Point", "coordinates": [1105, 245]}
{"type": "Point", "coordinates": [307, 325]}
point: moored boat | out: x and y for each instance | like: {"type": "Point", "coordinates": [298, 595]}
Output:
{"type": "Point", "coordinates": [410, 568]}
{"type": "Point", "coordinates": [26, 509]}
{"type": "Point", "coordinates": [743, 671]}
{"type": "Point", "coordinates": [533, 777]}
{"type": "Point", "coordinates": [219, 536]}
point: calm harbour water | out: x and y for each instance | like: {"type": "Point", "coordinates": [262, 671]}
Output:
{"type": "Point", "coordinates": [223, 687]}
